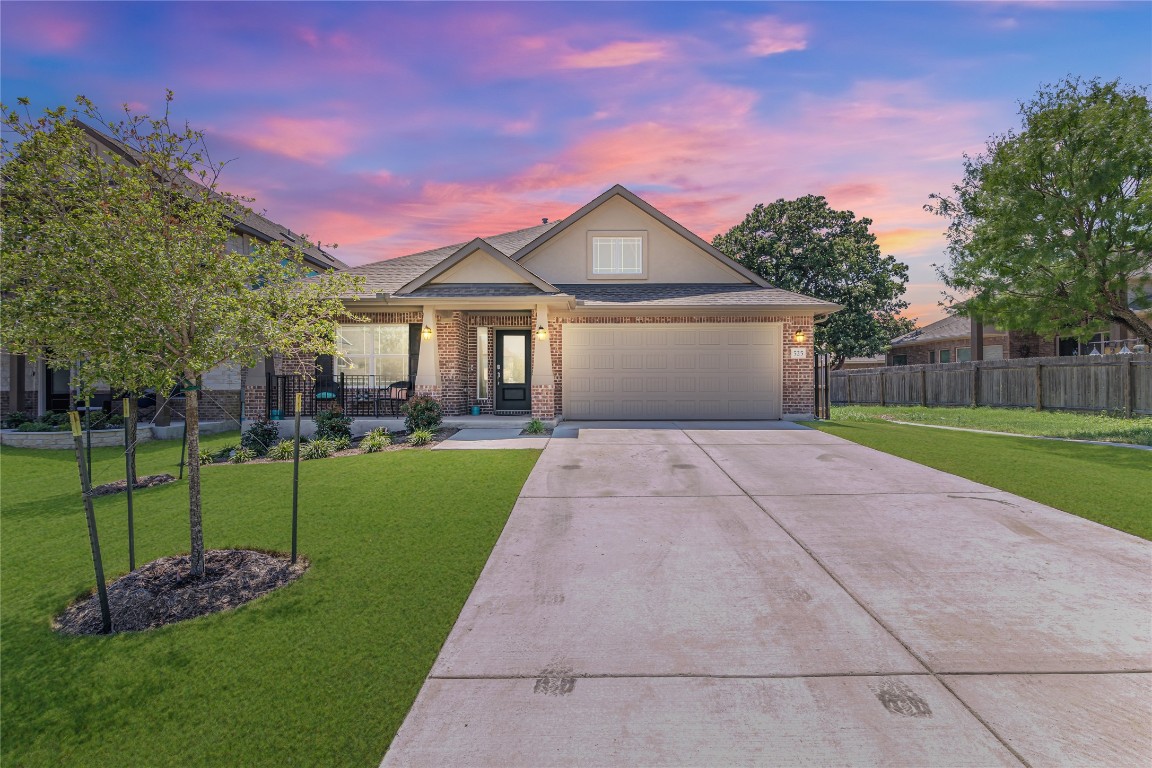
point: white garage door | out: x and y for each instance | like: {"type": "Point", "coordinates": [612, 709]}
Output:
{"type": "Point", "coordinates": [672, 371]}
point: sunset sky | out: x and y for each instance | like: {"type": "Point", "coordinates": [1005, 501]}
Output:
{"type": "Point", "coordinates": [393, 127]}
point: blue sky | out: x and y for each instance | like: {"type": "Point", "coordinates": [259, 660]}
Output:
{"type": "Point", "coordinates": [391, 127]}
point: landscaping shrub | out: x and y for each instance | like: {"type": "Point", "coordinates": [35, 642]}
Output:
{"type": "Point", "coordinates": [317, 449]}
{"type": "Point", "coordinates": [261, 436]}
{"type": "Point", "coordinates": [376, 440]}
{"type": "Point", "coordinates": [535, 427]}
{"type": "Point", "coordinates": [207, 458]}
{"type": "Point", "coordinates": [421, 436]}
{"type": "Point", "coordinates": [282, 451]}
{"type": "Point", "coordinates": [15, 419]}
{"type": "Point", "coordinates": [242, 455]}
{"type": "Point", "coordinates": [422, 413]}
{"type": "Point", "coordinates": [342, 443]}
{"type": "Point", "coordinates": [333, 424]}
{"type": "Point", "coordinates": [36, 426]}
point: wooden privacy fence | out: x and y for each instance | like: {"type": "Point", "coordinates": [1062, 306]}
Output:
{"type": "Point", "coordinates": [1116, 383]}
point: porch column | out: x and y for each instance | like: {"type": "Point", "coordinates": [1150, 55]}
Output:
{"type": "Point", "coordinates": [543, 382]}
{"type": "Point", "coordinates": [428, 364]}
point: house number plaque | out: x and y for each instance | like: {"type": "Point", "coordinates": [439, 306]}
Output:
{"type": "Point", "coordinates": [799, 352]}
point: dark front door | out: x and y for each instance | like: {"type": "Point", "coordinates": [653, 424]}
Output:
{"type": "Point", "coordinates": [513, 371]}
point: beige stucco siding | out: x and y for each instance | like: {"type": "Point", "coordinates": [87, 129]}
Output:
{"type": "Point", "coordinates": [669, 258]}
{"type": "Point", "coordinates": [480, 267]}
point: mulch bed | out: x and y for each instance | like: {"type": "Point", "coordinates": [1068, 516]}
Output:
{"type": "Point", "coordinates": [161, 592]}
{"type": "Point", "coordinates": [141, 482]}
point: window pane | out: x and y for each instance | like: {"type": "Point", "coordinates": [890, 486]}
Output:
{"type": "Point", "coordinates": [945, 355]}
{"type": "Point", "coordinates": [514, 355]}
{"type": "Point", "coordinates": [353, 340]}
{"type": "Point", "coordinates": [354, 365]}
{"type": "Point", "coordinates": [390, 369]}
{"type": "Point", "coordinates": [391, 339]}
{"type": "Point", "coordinates": [617, 255]}
{"type": "Point", "coordinates": [482, 362]}
{"type": "Point", "coordinates": [963, 354]}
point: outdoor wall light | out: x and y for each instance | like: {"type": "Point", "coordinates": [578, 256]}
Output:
{"type": "Point", "coordinates": [426, 333]}
{"type": "Point", "coordinates": [542, 333]}
{"type": "Point", "coordinates": [799, 337]}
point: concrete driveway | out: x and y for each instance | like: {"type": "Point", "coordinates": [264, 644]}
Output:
{"type": "Point", "coordinates": [692, 594]}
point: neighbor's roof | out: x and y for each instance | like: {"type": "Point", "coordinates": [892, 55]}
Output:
{"type": "Point", "coordinates": [251, 222]}
{"type": "Point", "coordinates": [951, 327]}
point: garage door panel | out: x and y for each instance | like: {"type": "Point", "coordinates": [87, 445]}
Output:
{"type": "Point", "coordinates": [683, 371]}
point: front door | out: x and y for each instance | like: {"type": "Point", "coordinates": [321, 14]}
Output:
{"type": "Point", "coordinates": [513, 371]}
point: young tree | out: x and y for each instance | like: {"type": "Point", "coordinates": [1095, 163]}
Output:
{"type": "Point", "coordinates": [1052, 227]}
{"type": "Point", "coordinates": [117, 264]}
{"type": "Point", "coordinates": [804, 245]}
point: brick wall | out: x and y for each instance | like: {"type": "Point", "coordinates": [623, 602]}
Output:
{"type": "Point", "coordinates": [1016, 344]}
{"type": "Point", "coordinates": [28, 406]}
{"type": "Point", "coordinates": [451, 349]}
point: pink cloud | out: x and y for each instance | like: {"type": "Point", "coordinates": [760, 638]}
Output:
{"type": "Point", "coordinates": [771, 36]}
{"type": "Point", "coordinates": [618, 54]}
{"type": "Point", "coordinates": [311, 140]}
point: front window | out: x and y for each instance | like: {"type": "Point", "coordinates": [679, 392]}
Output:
{"type": "Point", "coordinates": [618, 255]}
{"type": "Point", "coordinates": [482, 363]}
{"type": "Point", "coordinates": [963, 354]}
{"type": "Point", "coordinates": [945, 355]}
{"type": "Point", "coordinates": [377, 351]}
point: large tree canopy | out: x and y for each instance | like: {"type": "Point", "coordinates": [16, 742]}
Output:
{"type": "Point", "coordinates": [1051, 228]}
{"type": "Point", "coordinates": [116, 263]}
{"type": "Point", "coordinates": [804, 245]}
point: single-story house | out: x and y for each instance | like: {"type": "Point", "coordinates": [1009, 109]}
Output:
{"type": "Point", "coordinates": [951, 340]}
{"type": "Point", "coordinates": [613, 312]}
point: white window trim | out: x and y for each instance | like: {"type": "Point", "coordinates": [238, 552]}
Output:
{"type": "Point", "coordinates": [644, 255]}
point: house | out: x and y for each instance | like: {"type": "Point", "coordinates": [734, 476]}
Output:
{"type": "Point", "coordinates": [614, 312]}
{"type": "Point", "coordinates": [951, 341]}
{"type": "Point", "coordinates": [32, 387]}
{"type": "Point", "coordinates": [857, 363]}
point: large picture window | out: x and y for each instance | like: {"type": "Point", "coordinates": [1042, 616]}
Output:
{"type": "Point", "coordinates": [618, 255]}
{"type": "Point", "coordinates": [378, 351]}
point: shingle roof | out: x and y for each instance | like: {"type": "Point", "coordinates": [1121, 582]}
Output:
{"type": "Point", "coordinates": [688, 295]}
{"type": "Point", "coordinates": [472, 290]}
{"type": "Point", "coordinates": [951, 327]}
{"type": "Point", "coordinates": [389, 275]}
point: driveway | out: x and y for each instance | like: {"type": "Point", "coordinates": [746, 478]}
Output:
{"type": "Point", "coordinates": [694, 594]}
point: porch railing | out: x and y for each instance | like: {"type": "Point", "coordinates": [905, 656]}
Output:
{"type": "Point", "coordinates": [363, 396]}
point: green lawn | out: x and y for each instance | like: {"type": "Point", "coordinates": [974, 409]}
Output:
{"type": "Point", "coordinates": [1110, 485]}
{"type": "Point", "coordinates": [321, 672]}
{"type": "Point", "coordinates": [1020, 421]}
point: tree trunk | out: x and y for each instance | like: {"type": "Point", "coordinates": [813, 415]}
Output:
{"type": "Point", "coordinates": [1132, 321]}
{"type": "Point", "coordinates": [192, 428]}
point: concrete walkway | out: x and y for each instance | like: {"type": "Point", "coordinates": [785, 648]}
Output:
{"type": "Point", "coordinates": [697, 595]}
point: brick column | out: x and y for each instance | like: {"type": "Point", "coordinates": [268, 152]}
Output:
{"type": "Point", "coordinates": [799, 397]}
{"type": "Point", "coordinates": [543, 380]}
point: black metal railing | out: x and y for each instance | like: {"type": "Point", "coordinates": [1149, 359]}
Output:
{"type": "Point", "coordinates": [361, 396]}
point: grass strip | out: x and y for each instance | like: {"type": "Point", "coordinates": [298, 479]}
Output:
{"type": "Point", "coordinates": [1098, 482]}
{"type": "Point", "coordinates": [1078, 426]}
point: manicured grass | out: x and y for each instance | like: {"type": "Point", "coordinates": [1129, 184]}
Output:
{"type": "Point", "coordinates": [1110, 485]}
{"type": "Point", "coordinates": [1079, 426]}
{"type": "Point", "coordinates": [320, 672]}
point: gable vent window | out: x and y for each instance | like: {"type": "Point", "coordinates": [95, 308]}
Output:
{"type": "Point", "coordinates": [617, 255]}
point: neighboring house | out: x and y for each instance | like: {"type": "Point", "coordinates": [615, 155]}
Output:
{"type": "Point", "coordinates": [615, 312]}
{"type": "Point", "coordinates": [856, 363]}
{"type": "Point", "coordinates": [31, 387]}
{"type": "Point", "coordinates": [951, 341]}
